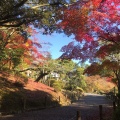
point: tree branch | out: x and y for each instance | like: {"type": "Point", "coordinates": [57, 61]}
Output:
{"type": "Point", "coordinates": [41, 76]}
{"type": "Point", "coordinates": [51, 4]}
{"type": "Point", "coordinates": [20, 4]}
{"type": "Point", "coordinates": [29, 69]}
{"type": "Point", "coordinates": [13, 25]}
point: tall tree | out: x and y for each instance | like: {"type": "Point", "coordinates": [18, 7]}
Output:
{"type": "Point", "coordinates": [92, 23]}
{"type": "Point", "coordinates": [96, 26]}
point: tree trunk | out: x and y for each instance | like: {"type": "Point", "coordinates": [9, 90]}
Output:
{"type": "Point", "coordinates": [117, 74]}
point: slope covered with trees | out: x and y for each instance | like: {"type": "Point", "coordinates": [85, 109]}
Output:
{"type": "Point", "coordinates": [97, 30]}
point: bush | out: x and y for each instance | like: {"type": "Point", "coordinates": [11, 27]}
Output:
{"type": "Point", "coordinates": [18, 84]}
{"type": "Point", "coordinates": [51, 82]}
{"type": "Point", "coordinates": [118, 95]}
{"type": "Point", "coordinates": [57, 84]}
{"type": "Point", "coordinates": [11, 102]}
{"type": "Point", "coordinates": [116, 114]}
{"type": "Point", "coordinates": [57, 87]}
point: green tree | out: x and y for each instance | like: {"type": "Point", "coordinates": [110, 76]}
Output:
{"type": "Point", "coordinates": [40, 13]}
{"type": "Point", "coordinates": [76, 79]}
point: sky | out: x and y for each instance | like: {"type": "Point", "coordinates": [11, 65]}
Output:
{"type": "Point", "coordinates": [57, 42]}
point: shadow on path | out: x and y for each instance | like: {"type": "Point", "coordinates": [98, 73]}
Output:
{"type": "Point", "coordinates": [88, 107]}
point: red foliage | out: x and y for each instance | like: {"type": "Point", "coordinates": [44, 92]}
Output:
{"type": "Point", "coordinates": [93, 69]}
{"type": "Point", "coordinates": [12, 41]}
{"type": "Point", "coordinates": [109, 79]}
{"type": "Point", "coordinates": [92, 22]}
{"type": "Point", "coordinates": [38, 86]}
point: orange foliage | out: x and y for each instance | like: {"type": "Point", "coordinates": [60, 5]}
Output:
{"type": "Point", "coordinates": [13, 41]}
{"type": "Point", "coordinates": [99, 83]}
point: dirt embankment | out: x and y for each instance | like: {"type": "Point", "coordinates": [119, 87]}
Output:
{"type": "Point", "coordinates": [26, 94]}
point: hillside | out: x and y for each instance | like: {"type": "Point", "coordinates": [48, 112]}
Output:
{"type": "Point", "coordinates": [27, 94]}
{"type": "Point", "coordinates": [99, 84]}
{"type": "Point", "coordinates": [18, 93]}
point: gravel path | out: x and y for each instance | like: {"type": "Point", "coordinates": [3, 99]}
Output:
{"type": "Point", "coordinates": [88, 107]}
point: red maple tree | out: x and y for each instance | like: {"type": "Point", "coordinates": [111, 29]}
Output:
{"type": "Point", "coordinates": [91, 23]}
{"type": "Point", "coordinates": [96, 26]}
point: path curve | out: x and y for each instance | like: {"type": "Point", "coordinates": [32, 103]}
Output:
{"type": "Point", "coordinates": [87, 105]}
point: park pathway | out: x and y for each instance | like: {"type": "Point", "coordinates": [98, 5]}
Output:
{"type": "Point", "coordinates": [87, 105]}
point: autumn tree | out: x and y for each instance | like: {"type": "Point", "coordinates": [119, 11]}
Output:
{"type": "Point", "coordinates": [17, 15]}
{"type": "Point", "coordinates": [95, 24]}
{"type": "Point", "coordinates": [15, 49]}
{"type": "Point", "coordinates": [107, 67]}
{"type": "Point", "coordinates": [96, 27]}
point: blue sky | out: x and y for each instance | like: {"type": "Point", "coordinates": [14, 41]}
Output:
{"type": "Point", "coordinates": [57, 41]}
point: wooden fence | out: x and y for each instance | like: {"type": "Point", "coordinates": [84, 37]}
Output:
{"type": "Point", "coordinates": [114, 98]}
{"type": "Point", "coordinates": [45, 103]}
{"type": "Point", "coordinates": [111, 96]}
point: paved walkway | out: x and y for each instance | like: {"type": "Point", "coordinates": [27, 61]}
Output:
{"type": "Point", "coordinates": [88, 107]}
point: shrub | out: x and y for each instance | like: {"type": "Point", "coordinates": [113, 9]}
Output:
{"type": "Point", "coordinates": [18, 84]}
{"type": "Point", "coordinates": [57, 87]}
{"type": "Point", "coordinates": [11, 102]}
{"type": "Point", "coordinates": [57, 84]}
{"type": "Point", "coordinates": [116, 114]}
{"type": "Point", "coordinates": [118, 95]}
